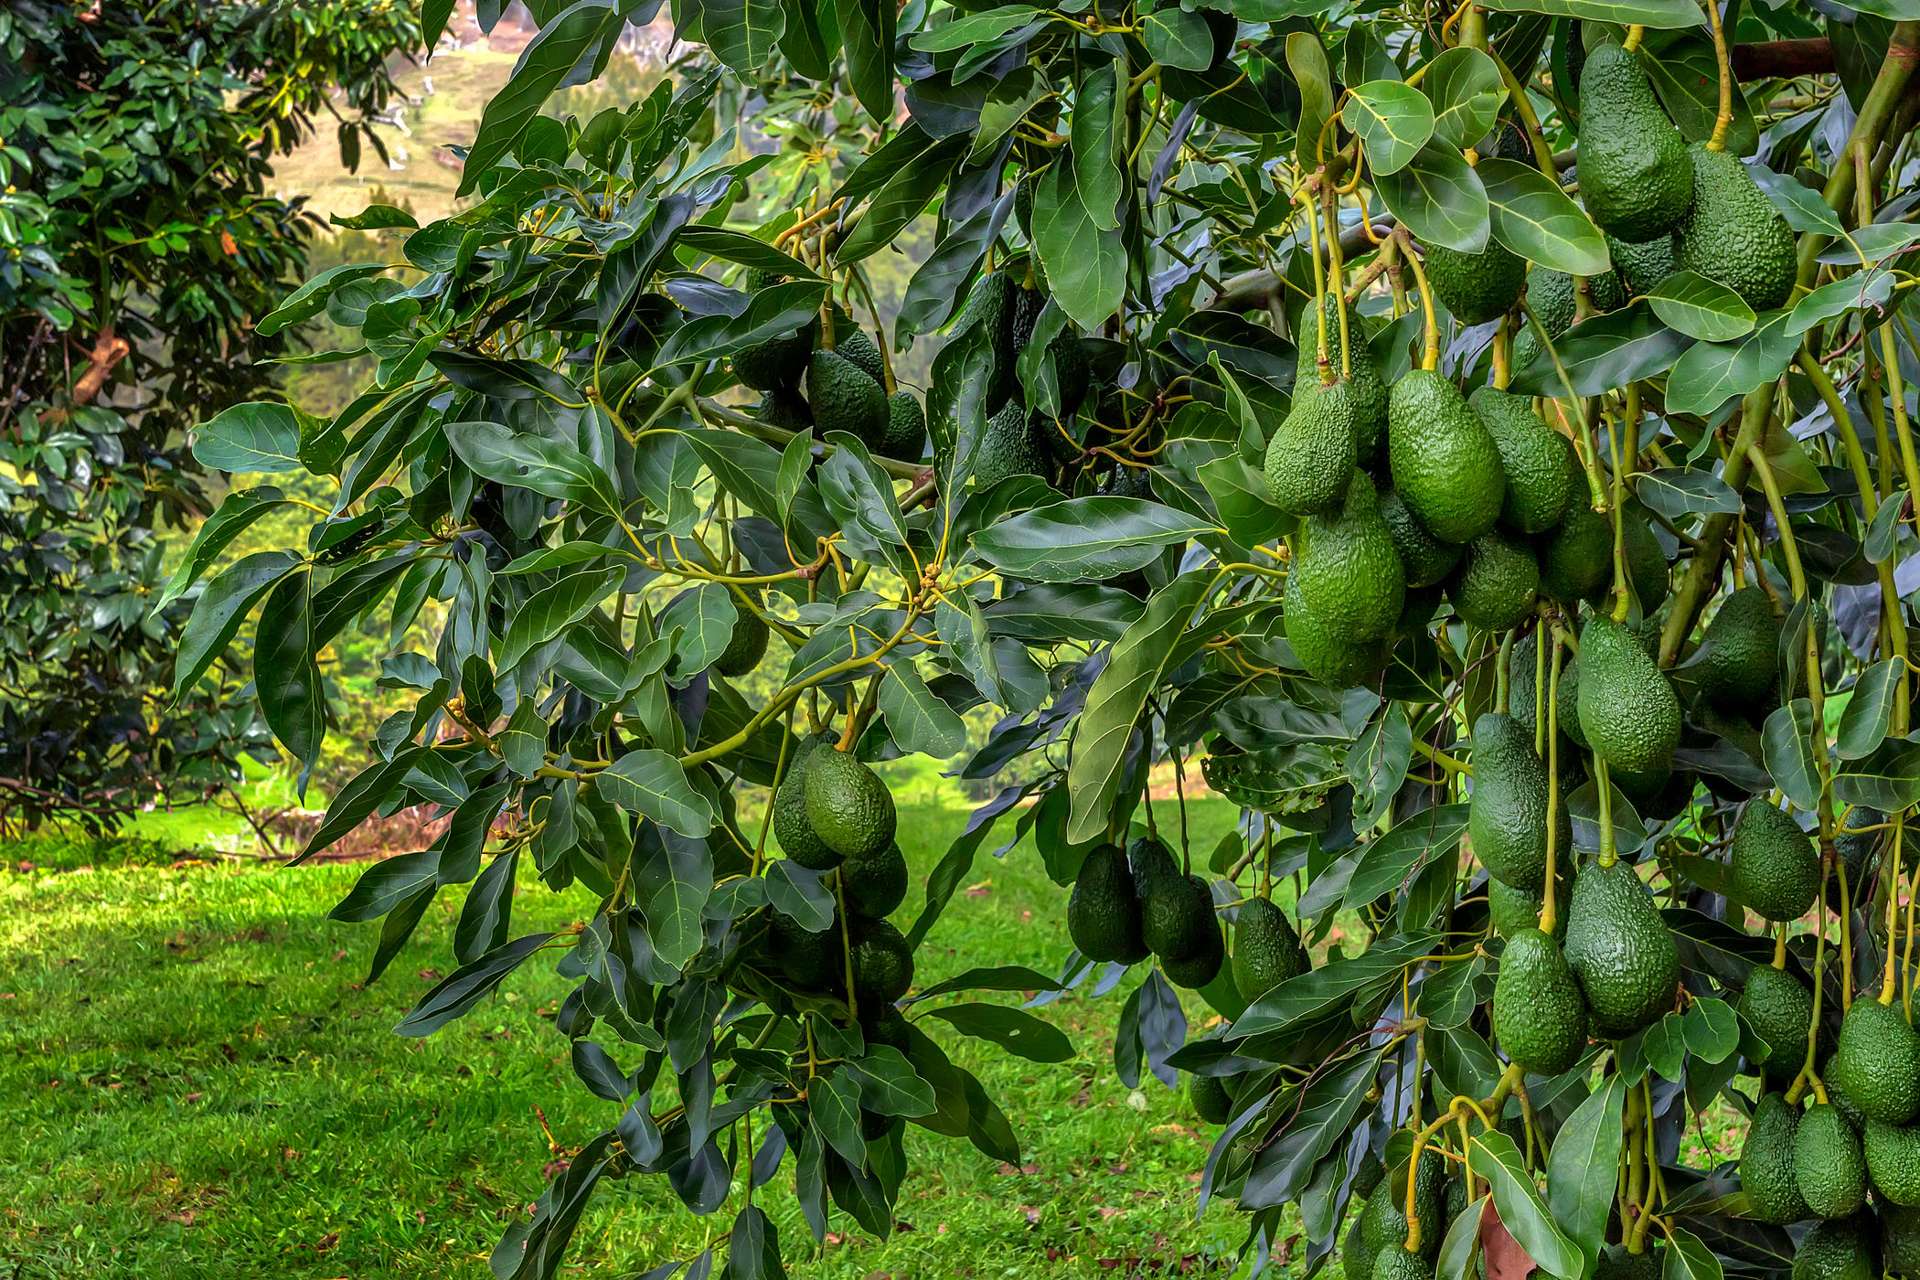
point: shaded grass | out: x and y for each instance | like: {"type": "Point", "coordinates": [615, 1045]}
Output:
{"type": "Point", "coordinates": [200, 1086]}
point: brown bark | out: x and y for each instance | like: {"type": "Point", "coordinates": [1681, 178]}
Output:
{"type": "Point", "coordinates": [1783, 59]}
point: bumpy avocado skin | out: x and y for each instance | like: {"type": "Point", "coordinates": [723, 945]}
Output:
{"type": "Point", "coordinates": [1772, 866]}
{"type": "Point", "coordinates": [849, 806]}
{"type": "Point", "coordinates": [1202, 966]}
{"type": "Point", "coordinates": [1539, 1015]}
{"type": "Point", "coordinates": [1536, 460]}
{"type": "Point", "coordinates": [791, 826]}
{"type": "Point", "coordinates": [1369, 391]}
{"type": "Point", "coordinates": [1838, 1250]}
{"type": "Point", "coordinates": [1496, 585]}
{"type": "Point", "coordinates": [1476, 287]}
{"type": "Point", "coordinates": [1349, 573]}
{"type": "Point", "coordinates": [1828, 1165]}
{"type": "Point", "coordinates": [1739, 651]}
{"type": "Point", "coordinates": [1445, 464]}
{"type": "Point", "coordinates": [746, 645]}
{"type": "Point", "coordinates": [1635, 177]}
{"type": "Point", "coordinates": [1425, 558]}
{"type": "Point", "coordinates": [1103, 912]}
{"type": "Point", "coordinates": [1393, 1262]}
{"type": "Point", "coordinates": [1620, 949]}
{"type": "Point", "coordinates": [1766, 1164]}
{"type": "Point", "coordinates": [1641, 267]}
{"type": "Point", "coordinates": [1733, 233]}
{"type": "Point", "coordinates": [1877, 1062]}
{"type": "Point", "coordinates": [1327, 655]}
{"type": "Point", "coordinates": [1009, 447]}
{"type": "Point", "coordinates": [1312, 454]}
{"type": "Point", "coordinates": [882, 964]}
{"type": "Point", "coordinates": [1176, 914]}
{"type": "Point", "coordinates": [1893, 1161]}
{"type": "Point", "coordinates": [1900, 1240]}
{"type": "Point", "coordinates": [906, 437]}
{"type": "Point", "coordinates": [1266, 949]}
{"type": "Point", "coordinates": [875, 884]}
{"type": "Point", "coordinates": [1577, 554]}
{"type": "Point", "coordinates": [1628, 710]}
{"type": "Point", "coordinates": [1779, 1008]}
{"type": "Point", "coordinates": [1211, 1101]}
{"type": "Point", "coordinates": [1507, 810]}
{"type": "Point", "coordinates": [858, 348]}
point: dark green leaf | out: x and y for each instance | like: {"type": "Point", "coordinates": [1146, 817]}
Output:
{"type": "Point", "coordinates": [542, 66]}
{"type": "Point", "coordinates": [1014, 1030]}
{"type": "Point", "coordinates": [1084, 538]}
{"type": "Point", "coordinates": [257, 436]}
{"type": "Point", "coordinates": [1440, 199]}
{"type": "Point", "coordinates": [1701, 308]}
{"type": "Point", "coordinates": [653, 784]}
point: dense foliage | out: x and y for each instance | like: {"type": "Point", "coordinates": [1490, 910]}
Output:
{"type": "Point", "coordinates": [1482, 437]}
{"type": "Point", "coordinates": [139, 242]}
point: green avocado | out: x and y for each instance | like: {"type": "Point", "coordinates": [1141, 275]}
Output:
{"type": "Point", "coordinates": [1641, 267]}
{"type": "Point", "coordinates": [875, 884]}
{"type": "Point", "coordinates": [1356, 1260]}
{"type": "Point", "coordinates": [1552, 296]}
{"type": "Point", "coordinates": [1202, 966]}
{"type": "Point", "coordinates": [882, 964]}
{"type": "Point", "coordinates": [1628, 711]}
{"type": "Point", "coordinates": [1617, 1262]}
{"type": "Point", "coordinates": [993, 307]}
{"type": "Point", "coordinates": [844, 398]}
{"type": "Point", "coordinates": [810, 961]}
{"type": "Point", "coordinates": [1476, 287]}
{"type": "Point", "coordinates": [1008, 447]}
{"type": "Point", "coordinates": [777, 364]}
{"type": "Point", "coordinates": [1635, 177]}
{"type": "Point", "coordinates": [1537, 461]}
{"type": "Point", "coordinates": [1425, 558]}
{"type": "Point", "coordinates": [1900, 1240]}
{"type": "Point", "coordinates": [1368, 391]}
{"type": "Point", "coordinates": [1733, 233]}
{"type": "Point", "coordinates": [1349, 574]}
{"type": "Point", "coordinates": [1176, 915]}
{"type": "Point", "coordinates": [848, 805]}
{"type": "Point", "coordinates": [1393, 1262]}
{"type": "Point", "coordinates": [1312, 453]}
{"type": "Point", "coordinates": [791, 826]}
{"type": "Point", "coordinates": [1445, 464]}
{"type": "Point", "coordinates": [1495, 587]}
{"type": "Point", "coordinates": [1647, 569]}
{"type": "Point", "coordinates": [1510, 910]}
{"type": "Point", "coordinates": [1877, 1062]}
{"type": "Point", "coordinates": [906, 437]}
{"type": "Point", "coordinates": [1325, 655]}
{"type": "Point", "coordinates": [1507, 810]}
{"type": "Point", "coordinates": [1739, 651]}
{"type": "Point", "coordinates": [1103, 912]}
{"type": "Point", "coordinates": [1766, 1164]}
{"type": "Point", "coordinates": [1266, 950]}
{"type": "Point", "coordinates": [1620, 949]}
{"type": "Point", "coordinates": [1828, 1165]}
{"type": "Point", "coordinates": [1772, 868]}
{"type": "Point", "coordinates": [1211, 1101]}
{"type": "Point", "coordinates": [1779, 1008]}
{"type": "Point", "coordinates": [857, 346]}
{"type": "Point", "coordinates": [746, 644]}
{"type": "Point", "coordinates": [1576, 557]}
{"type": "Point", "coordinates": [1837, 1250]}
{"type": "Point", "coordinates": [1893, 1161]}
{"type": "Point", "coordinates": [1539, 1015]}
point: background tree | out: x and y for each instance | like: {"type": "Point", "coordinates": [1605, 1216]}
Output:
{"type": "Point", "coordinates": [1428, 418]}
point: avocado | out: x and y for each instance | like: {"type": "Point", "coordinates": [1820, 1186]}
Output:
{"type": "Point", "coordinates": [857, 347]}
{"type": "Point", "coordinates": [1444, 462]}
{"type": "Point", "coordinates": [1837, 1250]}
{"type": "Point", "coordinates": [1552, 296]}
{"type": "Point", "coordinates": [1537, 462]}
{"type": "Point", "coordinates": [1202, 966]}
{"type": "Point", "coordinates": [1523, 672]}
{"type": "Point", "coordinates": [1176, 915]}
{"type": "Point", "coordinates": [884, 1024]}
{"type": "Point", "coordinates": [791, 826]}
{"type": "Point", "coordinates": [1103, 912]}
{"type": "Point", "coordinates": [810, 961]}
{"type": "Point", "coordinates": [1393, 1262]}
{"type": "Point", "coordinates": [1739, 651]}
{"type": "Point", "coordinates": [1900, 1240]}
{"type": "Point", "coordinates": [1266, 950]}
{"type": "Point", "coordinates": [1635, 176]}
{"type": "Point", "coordinates": [1567, 705]}
{"type": "Point", "coordinates": [777, 364]}
{"type": "Point", "coordinates": [1211, 1101]}
{"type": "Point", "coordinates": [1641, 267]}
{"type": "Point", "coordinates": [1828, 1165]}
{"type": "Point", "coordinates": [1877, 1062]}
{"type": "Point", "coordinates": [1539, 1016]}
{"type": "Point", "coordinates": [1617, 1262]}
{"type": "Point", "coordinates": [1356, 1260]}
{"type": "Point", "coordinates": [882, 964]}
{"type": "Point", "coordinates": [1510, 910]}
{"type": "Point", "coordinates": [1507, 810]}
{"type": "Point", "coordinates": [1838, 1096]}
{"type": "Point", "coordinates": [906, 436]}
{"type": "Point", "coordinates": [848, 805]}
{"type": "Point", "coordinates": [992, 308]}
{"type": "Point", "coordinates": [1009, 447]}
{"type": "Point", "coordinates": [1627, 708]}
{"type": "Point", "coordinates": [1324, 655]}
{"type": "Point", "coordinates": [1620, 949]}
{"type": "Point", "coordinates": [746, 644]}
{"type": "Point", "coordinates": [1476, 287]}
{"type": "Point", "coordinates": [1779, 1008]}
{"type": "Point", "coordinates": [1349, 574]}
{"type": "Point", "coordinates": [1576, 559]}
{"type": "Point", "coordinates": [1425, 558]}
{"type": "Point", "coordinates": [844, 398]}
{"type": "Point", "coordinates": [1733, 233]}
{"type": "Point", "coordinates": [1312, 454]}
{"type": "Point", "coordinates": [1496, 585]}
{"type": "Point", "coordinates": [875, 884]}
{"type": "Point", "coordinates": [1368, 391]}
{"type": "Point", "coordinates": [1893, 1161]}
{"type": "Point", "coordinates": [1772, 869]}
{"type": "Point", "coordinates": [1647, 570]}
{"type": "Point", "coordinates": [1766, 1164]}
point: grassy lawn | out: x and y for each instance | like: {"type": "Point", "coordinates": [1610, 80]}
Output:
{"type": "Point", "coordinates": [198, 1085]}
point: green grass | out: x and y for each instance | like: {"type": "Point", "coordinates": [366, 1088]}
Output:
{"type": "Point", "coordinates": [199, 1086]}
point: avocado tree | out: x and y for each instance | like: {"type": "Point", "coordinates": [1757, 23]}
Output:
{"type": "Point", "coordinates": [1481, 437]}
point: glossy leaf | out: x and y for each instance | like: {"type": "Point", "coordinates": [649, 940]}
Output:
{"type": "Point", "coordinates": [1701, 308]}
{"type": "Point", "coordinates": [1440, 199]}
{"type": "Point", "coordinates": [1093, 537]}
{"type": "Point", "coordinates": [1393, 121]}
{"type": "Point", "coordinates": [1537, 220]}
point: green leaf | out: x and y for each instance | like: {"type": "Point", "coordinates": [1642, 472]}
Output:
{"type": "Point", "coordinates": [1086, 263]}
{"type": "Point", "coordinates": [552, 609]}
{"type": "Point", "coordinates": [1320, 1119]}
{"type": "Point", "coordinates": [1701, 308]}
{"type": "Point", "coordinates": [1712, 1030]}
{"type": "Point", "coordinates": [653, 784]}
{"type": "Point", "coordinates": [376, 217]}
{"type": "Point", "coordinates": [1605, 352]}
{"type": "Point", "coordinates": [1461, 1243]}
{"type": "Point", "coordinates": [1307, 59]}
{"type": "Point", "coordinates": [1583, 1165]}
{"type": "Point", "coordinates": [220, 610]}
{"type": "Point", "coordinates": [532, 462]}
{"type": "Point", "coordinates": [1856, 292]}
{"type": "Point", "coordinates": [1493, 1156]}
{"type": "Point", "coordinates": [1676, 492]}
{"type": "Point", "coordinates": [888, 1084]}
{"type": "Point", "coordinates": [858, 492]}
{"type": "Point", "coordinates": [1096, 151]}
{"type": "Point", "coordinates": [1016, 1031]}
{"type": "Point", "coordinates": [1098, 536]}
{"type": "Point", "coordinates": [1664, 14]}
{"type": "Point", "coordinates": [916, 718]}
{"type": "Point", "coordinates": [542, 66]}
{"type": "Point", "coordinates": [700, 623]}
{"type": "Point", "coordinates": [1689, 1258]}
{"type": "Point", "coordinates": [1863, 725]}
{"type": "Point", "coordinates": [257, 436]}
{"type": "Point", "coordinates": [974, 28]}
{"type": "Point", "coordinates": [1709, 374]}
{"type": "Point", "coordinates": [866, 35]}
{"type": "Point", "coordinates": [1440, 199]}
{"type": "Point", "coordinates": [1890, 781]}
{"type": "Point", "coordinates": [738, 246]}
{"type": "Point", "coordinates": [833, 1104]}
{"type": "Point", "coordinates": [466, 986]}
{"type": "Point", "coordinates": [310, 299]}
{"type": "Point", "coordinates": [1178, 38]}
{"type": "Point", "coordinates": [1798, 203]}
{"type": "Point", "coordinates": [742, 33]}
{"type": "Point", "coordinates": [1467, 93]}
{"type": "Point", "coordinates": [286, 675]}
{"type": "Point", "coordinates": [1377, 763]}
{"type": "Point", "coordinates": [773, 312]}
{"type": "Point", "coordinates": [1010, 977]}
{"type": "Point", "coordinates": [1118, 696]}
{"type": "Point", "coordinates": [237, 512]}
{"type": "Point", "coordinates": [1537, 220]}
{"type": "Point", "coordinates": [385, 885]}
{"type": "Point", "coordinates": [1391, 861]}
{"type": "Point", "coordinates": [1392, 119]}
{"type": "Point", "coordinates": [1239, 494]}
{"type": "Point", "coordinates": [1786, 748]}
{"type": "Point", "coordinates": [1337, 985]}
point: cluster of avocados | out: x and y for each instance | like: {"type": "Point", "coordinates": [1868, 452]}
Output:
{"type": "Point", "coordinates": [833, 813]}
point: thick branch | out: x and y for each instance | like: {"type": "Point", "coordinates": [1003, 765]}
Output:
{"type": "Point", "coordinates": [1783, 59]}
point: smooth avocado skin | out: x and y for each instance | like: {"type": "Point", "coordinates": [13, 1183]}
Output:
{"type": "Point", "coordinates": [1733, 234]}
{"type": "Point", "coordinates": [1444, 462]}
{"type": "Point", "coordinates": [1349, 573]}
{"type": "Point", "coordinates": [1628, 711]}
{"type": "Point", "coordinates": [1196, 970]}
{"type": "Point", "coordinates": [1536, 460]}
{"type": "Point", "coordinates": [882, 964]}
{"type": "Point", "coordinates": [1476, 287]}
{"type": "Point", "coordinates": [1838, 1250]}
{"type": "Point", "coordinates": [1103, 911]}
{"type": "Point", "coordinates": [1312, 454]}
{"type": "Point", "coordinates": [1635, 176]}
{"type": "Point", "coordinates": [1176, 916]}
{"type": "Point", "coordinates": [1539, 1015]}
{"type": "Point", "coordinates": [1828, 1165]}
{"type": "Point", "coordinates": [1893, 1161]}
{"type": "Point", "coordinates": [1772, 868]}
{"type": "Point", "coordinates": [875, 884]}
{"type": "Point", "coordinates": [1507, 810]}
{"type": "Point", "coordinates": [1497, 584]}
{"type": "Point", "coordinates": [1779, 1008]}
{"type": "Point", "coordinates": [791, 826]}
{"type": "Point", "coordinates": [844, 398]}
{"type": "Point", "coordinates": [1900, 1239]}
{"type": "Point", "coordinates": [1647, 568]}
{"type": "Point", "coordinates": [746, 645]}
{"type": "Point", "coordinates": [1877, 1062]}
{"type": "Point", "coordinates": [1766, 1164]}
{"type": "Point", "coordinates": [906, 437]}
{"type": "Point", "coordinates": [1620, 949]}
{"type": "Point", "coordinates": [1739, 651]}
{"type": "Point", "coordinates": [1266, 950]}
{"type": "Point", "coordinates": [848, 805]}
